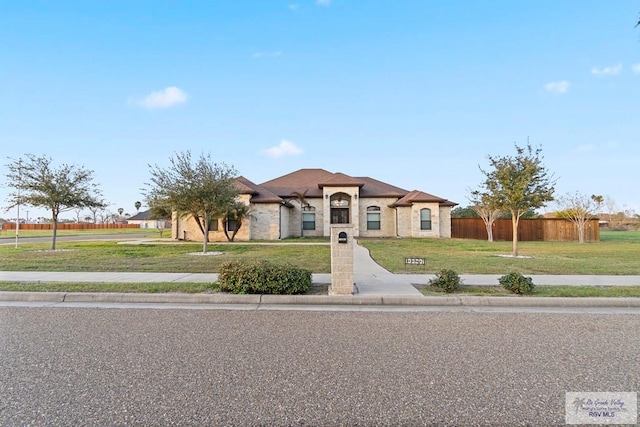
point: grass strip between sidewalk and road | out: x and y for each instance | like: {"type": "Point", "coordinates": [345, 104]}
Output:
{"type": "Point", "coordinates": [539, 291]}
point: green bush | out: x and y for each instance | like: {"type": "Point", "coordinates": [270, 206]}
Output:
{"type": "Point", "coordinates": [448, 280]}
{"type": "Point", "coordinates": [517, 283]}
{"type": "Point", "coordinates": [263, 277]}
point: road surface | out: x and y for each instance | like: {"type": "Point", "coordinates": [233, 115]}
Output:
{"type": "Point", "coordinates": [125, 366]}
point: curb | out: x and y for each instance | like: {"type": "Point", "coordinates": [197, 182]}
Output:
{"type": "Point", "coordinates": [342, 300]}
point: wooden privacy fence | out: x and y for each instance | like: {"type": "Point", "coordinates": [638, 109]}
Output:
{"type": "Point", "coordinates": [529, 230]}
{"type": "Point", "coordinates": [65, 226]}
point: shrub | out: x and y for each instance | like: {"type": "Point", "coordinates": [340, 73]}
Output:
{"type": "Point", "coordinates": [263, 277]}
{"type": "Point", "coordinates": [516, 283]}
{"type": "Point", "coordinates": [448, 280]}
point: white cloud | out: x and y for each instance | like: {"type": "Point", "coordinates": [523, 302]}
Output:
{"type": "Point", "coordinates": [636, 68]}
{"type": "Point", "coordinates": [168, 97]}
{"type": "Point", "coordinates": [613, 70]}
{"type": "Point", "coordinates": [276, 54]}
{"type": "Point", "coordinates": [586, 148]}
{"type": "Point", "coordinates": [285, 148]}
{"type": "Point", "coordinates": [557, 87]}
{"type": "Point", "coordinates": [294, 6]}
{"type": "Point", "coordinates": [323, 2]}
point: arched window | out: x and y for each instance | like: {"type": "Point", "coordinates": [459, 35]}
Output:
{"type": "Point", "coordinates": [308, 218]}
{"type": "Point", "coordinates": [425, 219]}
{"type": "Point", "coordinates": [373, 218]}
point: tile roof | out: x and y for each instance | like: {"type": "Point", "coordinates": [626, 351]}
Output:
{"type": "Point", "coordinates": [417, 196]}
{"type": "Point", "coordinates": [259, 194]}
{"type": "Point", "coordinates": [313, 180]}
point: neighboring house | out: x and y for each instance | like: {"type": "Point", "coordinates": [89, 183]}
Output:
{"type": "Point", "coordinates": [145, 221]}
{"type": "Point", "coordinates": [374, 208]}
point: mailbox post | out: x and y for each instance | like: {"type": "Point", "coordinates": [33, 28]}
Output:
{"type": "Point", "coordinates": [341, 260]}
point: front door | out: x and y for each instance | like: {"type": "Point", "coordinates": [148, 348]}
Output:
{"type": "Point", "coordinates": [339, 215]}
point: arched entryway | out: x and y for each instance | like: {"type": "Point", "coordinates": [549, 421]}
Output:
{"type": "Point", "coordinates": [340, 208]}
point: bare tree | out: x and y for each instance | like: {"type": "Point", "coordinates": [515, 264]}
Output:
{"type": "Point", "coordinates": [37, 182]}
{"type": "Point", "coordinates": [579, 209]}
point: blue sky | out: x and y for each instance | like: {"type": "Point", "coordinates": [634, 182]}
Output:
{"type": "Point", "coordinates": [415, 93]}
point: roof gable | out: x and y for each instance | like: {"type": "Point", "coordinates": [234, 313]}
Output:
{"type": "Point", "coordinates": [258, 193]}
{"type": "Point", "coordinates": [417, 196]}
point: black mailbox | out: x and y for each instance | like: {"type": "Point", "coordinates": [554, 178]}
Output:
{"type": "Point", "coordinates": [342, 237]}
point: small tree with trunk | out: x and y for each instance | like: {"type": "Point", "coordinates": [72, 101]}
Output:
{"type": "Point", "coordinates": [485, 209]}
{"type": "Point", "coordinates": [300, 197]}
{"type": "Point", "coordinates": [235, 214]}
{"type": "Point", "coordinates": [517, 184]}
{"type": "Point", "coordinates": [579, 209]}
{"type": "Point", "coordinates": [37, 182]}
{"type": "Point", "coordinates": [201, 189]}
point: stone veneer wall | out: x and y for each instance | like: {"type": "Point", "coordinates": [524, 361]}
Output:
{"type": "Point", "coordinates": [387, 217]}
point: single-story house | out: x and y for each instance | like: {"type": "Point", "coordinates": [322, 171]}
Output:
{"type": "Point", "coordinates": [308, 201]}
{"type": "Point", "coordinates": [145, 220]}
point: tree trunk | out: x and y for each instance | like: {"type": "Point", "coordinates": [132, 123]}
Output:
{"type": "Point", "coordinates": [205, 240]}
{"type": "Point", "coordinates": [514, 222]}
{"type": "Point", "coordinates": [581, 232]}
{"type": "Point", "coordinates": [55, 231]}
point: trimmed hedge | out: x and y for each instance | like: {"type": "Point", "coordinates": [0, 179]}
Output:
{"type": "Point", "coordinates": [263, 277]}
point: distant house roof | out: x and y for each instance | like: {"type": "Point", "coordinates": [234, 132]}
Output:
{"type": "Point", "coordinates": [141, 216]}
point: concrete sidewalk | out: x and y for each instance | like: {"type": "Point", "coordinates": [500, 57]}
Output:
{"type": "Point", "coordinates": [374, 285]}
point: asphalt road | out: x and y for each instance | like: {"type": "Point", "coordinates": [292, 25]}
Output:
{"type": "Point", "coordinates": [108, 366]}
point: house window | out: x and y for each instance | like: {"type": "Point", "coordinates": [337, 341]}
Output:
{"type": "Point", "coordinates": [373, 218]}
{"type": "Point", "coordinates": [231, 223]}
{"type": "Point", "coordinates": [425, 219]}
{"type": "Point", "coordinates": [213, 224]}
{"type": "Point", "coordinates": [308, 218]}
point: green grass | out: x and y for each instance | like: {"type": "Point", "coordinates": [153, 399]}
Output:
{"type": "Point", "coordinates": [170, 258]}
{"type": "Point", "coordinates": [616, 253]}
{"type": "Point", "coordinates": [152, 233]}
{"type": "Point", "coordinates": [161, 287]}
{"type": "Point", "coordinates": [541, 291]}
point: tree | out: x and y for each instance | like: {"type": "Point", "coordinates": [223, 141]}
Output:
{"type": "Point", "coordinates": [300, 196]}
{"type": "Point", "coordinates": [579, 209]}
{"type": "Point", "coordinates": [236, 213]}
{"type": "Point", "coordinates": [202, 189]}
{"type": "Point", "coordinates": [37, 182]}
{"type": "Point", "coordinates": [463, 212]}
{"type": "Point", "coordinates": [516, 184]}
{"type": "Point", "coordinates": [137, 205]}
{"type": "Point", "coordinates": [484, 208]}
{"type": "Point", "coordinates": [120, 210]}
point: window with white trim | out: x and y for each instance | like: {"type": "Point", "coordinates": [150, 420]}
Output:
{"type": "Point", "coordinates": [308, 218]}
{"type": "Point", "coordinates": [425, 219]}
{"type": "Point", "coordinates": [373, 218]}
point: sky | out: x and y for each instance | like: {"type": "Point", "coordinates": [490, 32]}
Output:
{"type": "Point", "coordinates": [415, 93]}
